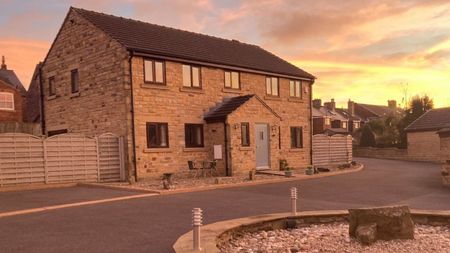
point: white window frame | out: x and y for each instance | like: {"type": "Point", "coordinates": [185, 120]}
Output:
{"type": "Point", "coordinates": [295, 89]}
{"type": "Point", "coordinates": [11, 95]}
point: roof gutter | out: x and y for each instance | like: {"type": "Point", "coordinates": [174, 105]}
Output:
{"type": "Point", "coordinates": [216, 65]}
{"type": "Point", "coordinates": [41, 97]}
{"type": "Point", "coordinates": [311, 126]}
{"type": "Point", "coordinates": [133, 131]}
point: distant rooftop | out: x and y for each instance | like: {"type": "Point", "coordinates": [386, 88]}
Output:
{"type": "Point", "coordinates": [10, 78]}
{"type": "Point", "coordinates": [433, 120]}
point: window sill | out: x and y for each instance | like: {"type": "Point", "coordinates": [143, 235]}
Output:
{"type": "Point", "coordinates": [295, 149]}
{"type": "Point", "coordinates": [230, 90]}
{"type": "Point", "coordinates": [202, 149]}
{"type": "Point", "coordinates": [192, 90]}
{"type": "Point", "coordinates": [295, 100]}
{"type": "Point", "coordinates": [154, 86]}
{"type": "Point", "coordinates": [268, 97]}
{"type": "Point", "coordinates": [7, 110]}
{"type": "Point", "coordinates": [74, 95]}
{"type": "Point", "coordinates": [51, 97]}
{"type": "Point", "coordinates": [157, 150]}
{"type": "Point", "coordinates": [246, 148]}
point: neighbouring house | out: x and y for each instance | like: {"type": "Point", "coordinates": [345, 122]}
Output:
{"type": "Point", "coordinates": [367, 112]}
{"type": "Point", "coordinates": [327, 120]}
{"type": "Point", "coordinates": [423, 139]}
{"type": "Point", "coordinates": [12, 96]}
{"type": "Point", "coordinates": [34, 103]}
{"type": "Point", "coordinates": [176, 96]}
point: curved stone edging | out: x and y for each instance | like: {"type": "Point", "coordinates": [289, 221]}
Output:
{"type": "Point", "coordinates": [214, 233]}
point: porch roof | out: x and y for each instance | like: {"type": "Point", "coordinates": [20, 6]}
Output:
{"type": "Point", "coordinates": [228, 106]}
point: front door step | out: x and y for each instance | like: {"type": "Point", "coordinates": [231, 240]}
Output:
{"type": "Point", "coordinates": [271, 172]}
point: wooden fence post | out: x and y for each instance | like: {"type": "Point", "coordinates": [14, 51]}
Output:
{"type": "Point", "coordinates": [44, 140]}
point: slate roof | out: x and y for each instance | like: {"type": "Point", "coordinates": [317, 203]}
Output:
{"type": "Point", "coordinates": [229, 105]}
{"type": "Point", "coordinates": [331, 131]}
{"type": "Point", "coordinates": [379, 110]}
{"type": "Point", "coordinates": [164, 41]}
{"type": "Point", "coordinates": [10, 78]}
{"type": "Point", "coordinates": [432, 120]}
{"type": "Point", "coordinates": [323, 111]}
{"type": "Point", "coordinates": [221, 112]}
{"type": "Point", "coordinates": [347, 115]}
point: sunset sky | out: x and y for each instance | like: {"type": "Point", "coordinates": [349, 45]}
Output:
{"type": "Point", "coordinates": [368, 51]}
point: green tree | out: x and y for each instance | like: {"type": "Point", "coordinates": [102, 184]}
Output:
{"type": "Point", "coordinates": [367, 137]}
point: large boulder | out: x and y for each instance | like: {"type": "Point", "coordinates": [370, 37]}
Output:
{"type": "Point", "coordinates": [392, 222]}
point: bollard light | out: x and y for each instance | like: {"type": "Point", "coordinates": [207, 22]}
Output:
{"type": "Point", "coordinates": [294, 200]}
{"type": "Point", "coordinates": [197, 220]}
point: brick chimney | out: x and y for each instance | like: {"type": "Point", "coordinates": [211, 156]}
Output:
{"type": "Point", "coordinates": [392, 104]}
{"type": "Point", "coordinates": [331, 105]}
{"type": "Point", "coordinates": [351, 107]}
{"type": "Point", "coordinates": [317, 103]}
{"type": "Point", "coordinates": [3, 62]}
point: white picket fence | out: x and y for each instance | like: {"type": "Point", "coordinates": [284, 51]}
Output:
{"type": "Point", "coordinates": [27, 159]}
{"type": "Point", "coordinates": [336, 149]}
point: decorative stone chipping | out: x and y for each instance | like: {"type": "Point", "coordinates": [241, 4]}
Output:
{"type": "Point", "coordinates": [218, 233]}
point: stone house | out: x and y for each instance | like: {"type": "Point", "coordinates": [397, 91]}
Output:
{"type": "Point", "coordinates": [34, 99]}
{"type": "Point", "coordinates": [12, 96]}
{"type": "Point", "coordinates": [327, 119]}
{"type": "Point", "coordinates": [422, 134]}
{"type": "Point", "coordinates": [176, 96]}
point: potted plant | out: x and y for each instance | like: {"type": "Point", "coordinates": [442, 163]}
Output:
{"type": "Point", "coordinates": [309, 170]}
{"type": "Point", "coordinates": [283, 164]}
{"type": "Point", "coordinates": [288, 172]}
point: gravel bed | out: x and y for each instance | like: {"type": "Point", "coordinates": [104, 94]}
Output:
{"type": "Point", "coordinates": [183, 182]}
{"type": "Point", "coordinates": [334, 237]}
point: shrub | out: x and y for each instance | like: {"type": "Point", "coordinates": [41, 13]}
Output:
{"type": "Point", "coordinates": [367, 137]}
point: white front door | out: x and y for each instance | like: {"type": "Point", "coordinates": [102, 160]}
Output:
{"type": "Point", "coordinates": [262, 146]}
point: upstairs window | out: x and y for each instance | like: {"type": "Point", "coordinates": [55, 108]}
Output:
{"type": "Point", "coordinates": [74, 81]}
{"type": "Point", "coordinates": [157, 135]}
{"type": "Point", "coordinates": [327, 121]}
{"type": "Point", "coordinates": [51, 86]}
{"type": "Point", "coordinates": [272, 86]}
{"type": "Point", "coordinates": [356, 125]}
{"type": "Point", "coordinates": [6, 101]}
{"type": "Point", "coordinates": [232, 80]}
{"type": "Point", "coordinates": [295, 88]}
{"type": "Point", "coordinates": [191, 76]}
{"type": "Point", "coordinates": [154, 71]}
{"type": "Point", "coordinates": [296, 137]}
{"type": "Point", "coordinates": [245, 134]}
{"type": "Point", "coordinates": [344, 124]}
{"type": "Point", "coordinates": [193, 134]}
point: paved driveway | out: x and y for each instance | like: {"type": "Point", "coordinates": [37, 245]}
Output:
{"type": "Point", "coordinates": [153, 224]}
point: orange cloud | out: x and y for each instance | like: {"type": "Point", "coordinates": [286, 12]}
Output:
{"type": "Point", "coordinates": [23, 55]}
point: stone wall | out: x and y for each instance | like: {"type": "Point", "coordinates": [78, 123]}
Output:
{"type": "Point", "coordinates": [102, 103]}
{"type": "Point", "coordinates": [424, 145]}
{"type": "Point", "coordinates": [17, 114]}
{"type": "Point", "coordinates": [445, 157]}
{"type": "Point", "coordinates": [177, 105]}
{"type": "Point", "coordinates": [243, 159]}
{"type": "Point", "coordinates": [391, 153]}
